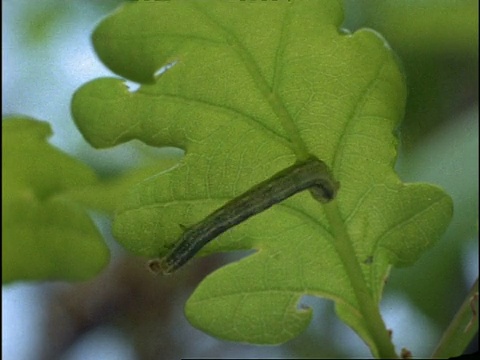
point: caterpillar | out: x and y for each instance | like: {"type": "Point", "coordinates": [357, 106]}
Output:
{"type": "Point", "coordinates": [312, 174]}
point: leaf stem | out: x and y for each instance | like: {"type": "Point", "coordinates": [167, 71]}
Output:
{"type": "Point", "coordinates": [462, 329]}
{"type": "Point", "coordinates": [368, 308]}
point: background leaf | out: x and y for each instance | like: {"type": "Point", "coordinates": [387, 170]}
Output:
{"type": "Point", "coordinates": [44, 235]}
{"type": "Point", "coordinates": [251, 90]}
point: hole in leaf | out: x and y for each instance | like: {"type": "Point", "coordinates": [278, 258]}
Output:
{"type": "Point", "coordinates": [164, 69]}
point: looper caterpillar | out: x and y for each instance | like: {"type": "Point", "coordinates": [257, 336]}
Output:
{"type": "Point", "coordinates": [312, 174]}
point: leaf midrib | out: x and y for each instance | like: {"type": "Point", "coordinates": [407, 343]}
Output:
{"type": "Point", "coordinates": [277, 106]}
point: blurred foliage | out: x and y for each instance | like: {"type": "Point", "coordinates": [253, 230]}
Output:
{"type": "Point", "coordinates": [44, 236]}
{"type": "Point", "coordinates": [437, 42]}
{"type": "Point", "coordinates": [42, 19]}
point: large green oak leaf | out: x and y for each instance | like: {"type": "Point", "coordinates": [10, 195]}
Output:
{"type": "Point", "coordinates": [249, 88]}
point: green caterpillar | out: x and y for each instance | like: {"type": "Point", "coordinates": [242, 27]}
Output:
{"type": "Point", "coordinates": [312, 174]}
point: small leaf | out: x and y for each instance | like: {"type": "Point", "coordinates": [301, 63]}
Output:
{"type": "Point", "coordinates": [44, 235]}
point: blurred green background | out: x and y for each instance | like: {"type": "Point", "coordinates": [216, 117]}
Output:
{"type": "Point", "coordinates": [124, 314]}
